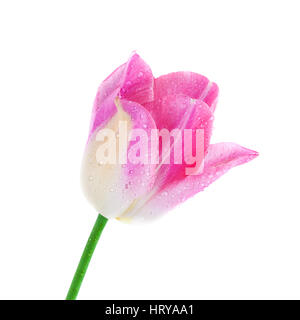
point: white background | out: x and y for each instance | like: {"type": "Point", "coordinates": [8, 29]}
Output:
{"type": "Point", "coordinates": [239, 238]}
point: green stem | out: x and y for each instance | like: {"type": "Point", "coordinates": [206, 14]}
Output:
{"type": "Point", "coordinates": [86, 257]}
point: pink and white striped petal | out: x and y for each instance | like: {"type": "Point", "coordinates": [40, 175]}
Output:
{"type": "Point", "coordinates": [132, 81]}
{"type": "Point", "coordinates": [112, 186]}
{"type": "Point", "coordinates": [220, 158]}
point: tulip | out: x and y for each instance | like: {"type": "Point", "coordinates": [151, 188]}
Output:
{"type": "Point", "coordinates": [141, 192]}
{"type": "Point", "coordinates": [132, 101]}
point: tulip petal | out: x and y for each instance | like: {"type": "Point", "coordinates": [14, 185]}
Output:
{"type": "Point", "coordinates": [181, 112]}
{"type": "Point", "coordinates": [112, 187]}
{"type": "Point", "coordinates": [132, 81]}
{"type": "Point", "coordinates": [138, 81]}
{"type": "Point", "coordinates": [220, 158]}
{"type": "Point", "coordinates": [190, 84]}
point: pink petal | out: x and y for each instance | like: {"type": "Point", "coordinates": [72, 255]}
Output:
{"type": "Point", "coordinates": [181, 112]}
{"type": "Point", "coordinates": [132, 81]}
{"type": "Point", "coordinates": [220, 158]}
{"type": "Point", "coordinates": [138, 81]}
{"type": "Point", "coordinates": [190, 84]}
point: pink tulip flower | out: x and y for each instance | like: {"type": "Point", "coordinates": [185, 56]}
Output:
{"type": "Point", "coordinates": [148, 148]}
{"type": "Point", "coordinates": [143, 191]}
